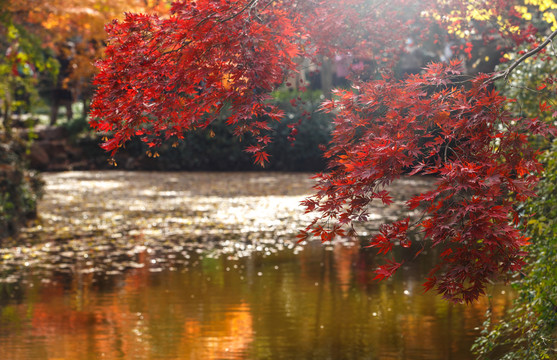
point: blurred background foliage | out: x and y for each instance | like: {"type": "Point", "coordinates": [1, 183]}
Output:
{"type": "Point", "coordinates": [529, 331]}
{"type": "Point", "coordinates": [533, 85]}
{"type": "Point", "coordinates": [20, 188]}
{"type": "Point", "coordinates": [215, 148]}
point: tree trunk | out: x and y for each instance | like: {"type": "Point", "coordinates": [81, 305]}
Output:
{"type": "Point", "coordinates": [326, 77]}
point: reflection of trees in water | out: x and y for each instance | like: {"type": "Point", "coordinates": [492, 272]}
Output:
{"type": "Point", "coordinates": [228, 338]}
{"type": "Point", "coordinates": [316, 304]}
{"type": "Point", "coordinates": [391, 319]}
{"type": "Point", "coordinates": [73, 318]}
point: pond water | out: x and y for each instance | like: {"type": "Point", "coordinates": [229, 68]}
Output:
{"type": "Point", "coordinates": [205, 266]}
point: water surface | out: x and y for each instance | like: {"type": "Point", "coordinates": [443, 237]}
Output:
{"type": "Point", "coordinates": [204, 266]}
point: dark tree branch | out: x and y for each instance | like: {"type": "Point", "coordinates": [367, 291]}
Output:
{"type": "Point", "coordinates": [505, 74]}
{"type": "Point", "coordinates": [249, 5]}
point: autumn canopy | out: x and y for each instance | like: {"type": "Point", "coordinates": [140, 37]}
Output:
{"type": "Point", "coordinates": [162, 76]}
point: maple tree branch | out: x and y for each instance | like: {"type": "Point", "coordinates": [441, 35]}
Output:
{"type": "Point", "coordinates": [249, 5]}
{"type": "Point", "coordinates": [505, 74]}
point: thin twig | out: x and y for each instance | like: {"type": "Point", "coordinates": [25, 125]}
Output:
{"type": "Point", "coordinates": [505, 74]}
{"type": "Point", "coordinates": [249, 5]}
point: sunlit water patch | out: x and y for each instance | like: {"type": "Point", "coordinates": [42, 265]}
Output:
{"type": "Point", "coordinates": [100, 220]}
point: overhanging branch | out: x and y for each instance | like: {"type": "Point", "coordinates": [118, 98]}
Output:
{"type": "Point", "coordinates": [505, 74]}
{"type": "Point", "coordinates": [249, 5]}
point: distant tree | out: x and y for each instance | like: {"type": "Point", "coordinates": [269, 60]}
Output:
{"type": "Point", "coordinates": [73, 31]}
{"type": "Point", "coordinates": [214, 58]}
{"type": "Point", "coordinates": [22, 61]}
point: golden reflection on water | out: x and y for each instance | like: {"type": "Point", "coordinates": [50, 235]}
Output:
{"type": "Point", "coordinates": [228, 338]}
{"type": "Point", "coordinates": [314, 305]}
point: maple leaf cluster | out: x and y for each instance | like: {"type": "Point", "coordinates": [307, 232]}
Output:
{"type": "Point", "coordinates": [163, 76]}
{"type": "Point", "coordinates": [430, 125]}
{"type": "Point", "coordinates": [215, 59]}
{"type": "Point", "coordinates": [221, 59]}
